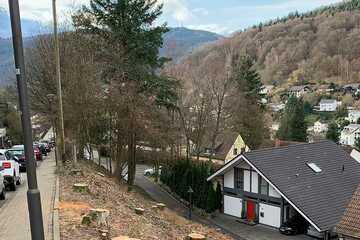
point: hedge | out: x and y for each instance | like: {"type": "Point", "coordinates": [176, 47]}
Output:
{"type": "Point", "coordinates": [184, 173]}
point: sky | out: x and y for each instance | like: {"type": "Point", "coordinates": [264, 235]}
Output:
{"type": "Point", "coordinates": [220, 16]}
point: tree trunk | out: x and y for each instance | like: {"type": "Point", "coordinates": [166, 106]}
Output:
{"type": "Point", "coordinates": [131, 154]}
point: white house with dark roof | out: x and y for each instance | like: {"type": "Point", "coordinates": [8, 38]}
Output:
{"type": "Point", "coordinates": [353, 116]}
{"type": "Point", "coordinates": [349, 134]}
{"type": "Point", "coordinates": [299, 91]}
{"type": "Point", "coordinates": [328, 105]}
{"type": "Point", "coordinates": [269, 186]}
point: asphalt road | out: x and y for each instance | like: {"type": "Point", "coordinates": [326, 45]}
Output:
{"type": "Point", "coordinates": [14, 218]}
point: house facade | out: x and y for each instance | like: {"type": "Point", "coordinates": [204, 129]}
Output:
{"type": "Point", "coordinates": [227, 146]}
{"type": "Point", "coordinates": [353, 116]}
{"type": "Point", "coordinates": [270, 186]}
{"type": "Point", "coordinates": [328, 105]}
{"type": "Point", "coordinates": [349, 134]}
{"type": "Point", "coordinates": [299, 91]}
{"type": "Point", "coordinates": [320, 127]}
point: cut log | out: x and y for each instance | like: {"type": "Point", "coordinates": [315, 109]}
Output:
{"type": "Point", "coordinates": [139, 211]}
{"type": "Point", "coordinates": [100, 174]}
{"type": "Point", "coordinates": [161, 206]}
{"type": "Point", "coordinates": [81, 187]}
{"type": "Point", "coordinates": [195, 236]}
{"type": "Point", "coordinates": [100, 216]}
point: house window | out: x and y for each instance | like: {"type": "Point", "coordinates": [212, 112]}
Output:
{"type": "Point", "coordinates": [239, 178]}
{"type": "Point", "coordinates": [235, 151]}
{"type": "Point", "coordinates": [264, 186]}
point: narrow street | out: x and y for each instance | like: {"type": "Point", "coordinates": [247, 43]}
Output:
{"type": "Point", "coordinates": [14, 218]}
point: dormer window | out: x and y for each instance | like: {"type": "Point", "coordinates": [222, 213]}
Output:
{"type": "Point", "coordinates": [314, 167]}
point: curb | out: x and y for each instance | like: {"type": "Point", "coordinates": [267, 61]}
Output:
{"type": "Point", "coordinates": [55, 218]}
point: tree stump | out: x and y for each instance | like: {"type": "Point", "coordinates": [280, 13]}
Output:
{"type": "Point", "coordinates": [139, 211]}
{"type": "Point", "coordinates": [81, 187]}
{"type": "Point", "coordinates": [76, 171]}
{"type": "Point", "coordinates": [86, 220]}
{"type": "Point", "coordinates": [124, 238]}
{"type": "Point", "coordinates": [195, 236]}
{"type": "Point", "coordinates": [101, 216]}
{"type": "Point", "coordinates": [161, 206]}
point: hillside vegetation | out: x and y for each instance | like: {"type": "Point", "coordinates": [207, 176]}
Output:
{"type": "Point", "coordinates": [317, 47]}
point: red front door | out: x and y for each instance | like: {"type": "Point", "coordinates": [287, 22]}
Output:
{"type": "Point", "coordinates": [251, 211]}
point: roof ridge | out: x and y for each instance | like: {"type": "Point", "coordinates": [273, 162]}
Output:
{"type": "Point", "coordinates": [288, 146]}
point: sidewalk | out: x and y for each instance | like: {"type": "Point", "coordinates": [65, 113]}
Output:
{"type": "Point", "coordinates": [14, 217]}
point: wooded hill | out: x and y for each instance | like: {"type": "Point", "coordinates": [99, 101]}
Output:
{"type": "Point", "coordinates": [319, 47]}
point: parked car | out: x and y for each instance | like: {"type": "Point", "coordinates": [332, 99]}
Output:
{"type": "Point", "coordinates": [37, 154]}
{"type": "Point", "coordinates": [11, 170]}
{"type": "Point", "coordinates": [2, 184]}
{"type": "Point", "coordinates": [295, 225]}
{"type": "Point", "coordinates": [20, 154]}
{"type": "Point", "coordinates": [46, 145]}
{"type": "Point", "coordinates": [42, 148]}
{"type": "Point", "coordinates": [151, 171]}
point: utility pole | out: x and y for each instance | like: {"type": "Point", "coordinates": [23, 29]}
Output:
{"type": "Point", "coordinates": [59, 91]}
{"type": "Point", "coordinates": [33, 193]}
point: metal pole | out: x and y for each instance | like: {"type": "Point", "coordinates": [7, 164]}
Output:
{"type": "Point", "coordinates": [58, 80]}
{"type": "Point", "coordinates": [33, 193]}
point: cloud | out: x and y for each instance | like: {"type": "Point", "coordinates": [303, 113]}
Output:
{"type": "Point", "coordinates": [178, 10]}
{"type": "Point", "coordinates": [217, 28]}
{"type": "Point", "coordinates": [201, 11]}
{"type": "Point", "coordinates": [41, 10]}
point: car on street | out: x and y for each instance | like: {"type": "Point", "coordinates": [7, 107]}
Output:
{"type": "Point", "coordinates": [41, 148]}
{"type": "Point", "coordinates": [295, 225]}
{"type": "Point", "coordinates": [20, 154]}
{"type": "Point", "coordinates": [2, 184]}
{"type": "Point", "coordinates": [37, 153]}
{"type": "Point", "coordinates": [151, 171]}
{"type": "Point", "coordinates": [11, 169]}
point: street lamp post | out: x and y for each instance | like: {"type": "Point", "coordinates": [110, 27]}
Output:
{"type": "Point", "coordinates": [190, 191]}
{"type": "Point", "coordinates": [33, 193]}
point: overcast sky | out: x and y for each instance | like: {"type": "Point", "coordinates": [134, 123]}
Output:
{"type": "Point", "coordinates": [220, 16]}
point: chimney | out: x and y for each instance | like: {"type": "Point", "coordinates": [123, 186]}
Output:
{"type": "Point", "coordinates": [277, 142]}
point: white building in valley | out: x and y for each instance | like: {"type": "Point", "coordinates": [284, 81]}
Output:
{"type": "Point", "coordinates": [320, 127]}
{"type": "Point", "coordinates": [349, 134]}
{"type": "Point", "coordinates": [328, 105]}
{"type": "Point", "coordinates": [353, 116]}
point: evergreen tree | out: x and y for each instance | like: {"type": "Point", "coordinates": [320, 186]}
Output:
{"type": "Point", "coordinates": [250, 123]}
{"type": "Point", "coordinates": [333, 132]}
{"type": "Point", "coordinates": [292, 125]}
{"type": "Point", "coordinates": [128, 42]}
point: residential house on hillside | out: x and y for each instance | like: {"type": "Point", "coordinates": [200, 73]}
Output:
{"type": "Point", "coordinates": [353, 116]}
{"type": "Point", "coordinates": [349, 134]}
{"type": "Point", "coordinates": [351, 88]}
{"type": "Point", "coordinates": [276, 107]}
{"type": "Point", "coordinates": [324, 89]}
{"type": "Point", "coordinates": [328, 105]}
{"type": "Point", "coordinates": [270, 186]}
{"type": "Point", "coordinates": [349, 225]}
{"type": "Point", "coordinates": [299, 91]}
{"type": "Point", "coordinates": [227, 146]}
{"type": "Point", "coordinates": [320, 127]}
{"type": "Point", "coordinates": [266, 89]}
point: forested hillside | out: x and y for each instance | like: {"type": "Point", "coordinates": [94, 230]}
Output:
{"type": "Point", "coordinates": [319, 46]}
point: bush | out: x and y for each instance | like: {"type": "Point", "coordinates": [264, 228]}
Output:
{"type": "Point", "coordinates": [184, 174]}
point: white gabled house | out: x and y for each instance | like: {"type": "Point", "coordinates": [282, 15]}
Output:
{"type": "Point", "coordinates": [328, 105]}
{"type": "Point", "coordinates": [270, 186]}
{"type": "Point", "coordinates": [353, 116]}
{"type": "Point", "coordinates": [349, 134]}
{"type": "Point", "coordinates": [320, 127]}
